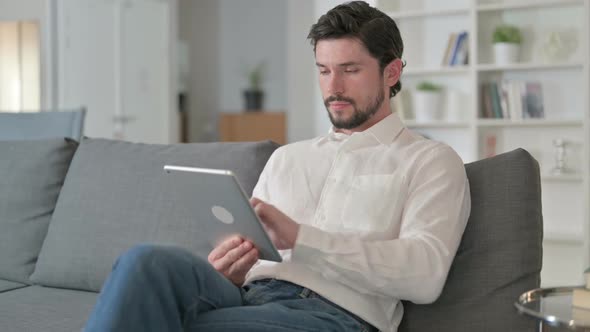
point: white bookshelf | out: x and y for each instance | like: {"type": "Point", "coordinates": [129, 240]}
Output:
{"type": "Point", "coordinates": [426, 25]}
{"type": "Point", "coordinates": [427, 13]}
{"type": "Point", "coordinates": [524, 5]}
{"type": "Point", "coordinates": [409, 71]}
{"type": "Point", "coordinates": [437, 124]}
{"type": "Point", "coordinates": [528, 123]}
{"type": "Point", "coordinates": [563, 238]}
{"type": "Point", "coordinates": [566, 177]}
{"type": "Point", "coordinates": [530, 66]}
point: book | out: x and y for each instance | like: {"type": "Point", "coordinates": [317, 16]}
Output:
{"type": "Point", "coordinates": [511, 94]}
{"type": "Point", "coordinates": [495, 96]}
{"type": "Point", "coordinates": [503, 86]}
{"type": "Point", "coordinates": [486, 102]}
{"type": "Point", "coordinates": [534, 100]}
{"type": "Point", "coordinates": [518, 99]}
{"type": "Point", "coordinates": [461, 57]}
{"type": "Point", "coordinates": [581, 298]}
{"type": "Point", "coordinates": [511, 99]}
{"type": "Point", "coordinates": [461, 38]}
{"type": "Point", "coordinates": [457, 49]}
{"type": "Point", "coordinates": [450, 43]}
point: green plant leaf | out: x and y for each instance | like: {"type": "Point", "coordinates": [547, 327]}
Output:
{"type": "Point", "coordinates": [428, 86]}
{"type": "Point", "coordinates": [256, 76]}
{"type": "Point", "coordinates": [507, 34]}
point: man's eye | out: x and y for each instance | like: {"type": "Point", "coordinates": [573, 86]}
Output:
{"type": "Point", "coordinates": [324, 72]}
{"type": "Point", "coordinates": [351, 70]}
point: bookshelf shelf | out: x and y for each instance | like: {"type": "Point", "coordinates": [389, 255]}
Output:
{"type": "Point", "coordinates": [439, 124]}
{"type": "Point", "coordinates": [530, 4]}
{"type": "Point", "coordinates": [530, 66]}
{"type": "Point", "coordinates": [563, 238]}
{"type": "Point", "coordinates": [414, 14]}
{"type": "Point", "coordinates": [528, 123]}
{"type": "Point", "coordinates": [554, 96]}
{"type": "Point", "coordinates": [562, 178]}
{"type": "Point", "coordinates": [437, 71]}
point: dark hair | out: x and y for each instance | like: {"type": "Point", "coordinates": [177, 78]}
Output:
{"type": "Point", "coordinates": [375, 29]}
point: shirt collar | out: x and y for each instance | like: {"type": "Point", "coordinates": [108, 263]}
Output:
{"type": "Point", "coordinates": [384, 131]}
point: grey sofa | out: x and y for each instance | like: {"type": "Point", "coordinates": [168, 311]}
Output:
{"type": "Point", "coordinates": [41, 125]}
{"type": "Point", "coordinates": [67, 210]}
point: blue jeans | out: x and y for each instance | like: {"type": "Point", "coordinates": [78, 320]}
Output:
{"type": "Point", "coordinates": [157, 288]}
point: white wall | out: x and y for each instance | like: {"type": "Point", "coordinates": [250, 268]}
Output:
{"type": "Point", "coordinates": [199, 28]}
{"type": "Point", "coordinates": [227, 35]}
{"type": "Point", "coordinates": [301, 72]}
{"type": "Point", "coordinates": [250, 32]}
{"type": "Point", "coordinates": [22, 9]}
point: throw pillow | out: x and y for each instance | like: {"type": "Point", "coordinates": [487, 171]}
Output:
{"type": "Point", "coordinates": [116, 195]}
{"type": "Point", "coordinates": [31, 177]}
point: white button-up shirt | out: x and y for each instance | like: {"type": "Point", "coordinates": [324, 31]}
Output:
{"type": "Point", "coordinates": [382, 213]}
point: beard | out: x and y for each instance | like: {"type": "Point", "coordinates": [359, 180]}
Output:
{"type": "Point", "coordinates": [359, 116]}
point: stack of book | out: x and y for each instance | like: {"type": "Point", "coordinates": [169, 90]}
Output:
{"type": "Point", "coordinates": [457, 51]}
{"type": "Point", "coordinates": [581, 302]}
{"type": "Point", "coordinates": [508, 99]}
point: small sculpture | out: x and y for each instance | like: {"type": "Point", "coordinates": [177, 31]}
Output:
{"type": "Point", "coordinates": [560, 167]}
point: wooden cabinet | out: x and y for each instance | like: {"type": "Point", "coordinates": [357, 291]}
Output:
{"type": "Point", "coordinates": [253, 126]}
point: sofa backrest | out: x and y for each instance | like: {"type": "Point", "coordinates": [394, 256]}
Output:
{"type": "Point", "coordinates": [500, 254]}
{"type": "Point", "coordinates": [31, 177]}
{"type": "Point", "coordinates": [116, 195]}
{"type": "Point", "coordinates": [42, 125]}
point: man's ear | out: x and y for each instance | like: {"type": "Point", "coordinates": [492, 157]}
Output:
{"type": "Point", "coordinates": [392, 72]}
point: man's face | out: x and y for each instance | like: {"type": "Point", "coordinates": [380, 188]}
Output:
{"type": "Point", "coordinates": [351, 82]}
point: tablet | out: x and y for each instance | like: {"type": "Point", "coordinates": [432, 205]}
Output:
{"type": "Point", "coordinates": [222, 208]}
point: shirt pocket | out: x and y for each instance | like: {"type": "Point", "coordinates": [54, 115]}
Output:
{"type": "Point", "coordinates": [373, 203]}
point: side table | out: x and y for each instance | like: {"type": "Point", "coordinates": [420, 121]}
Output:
{"type": "Point", "coordinates": [553, 307]}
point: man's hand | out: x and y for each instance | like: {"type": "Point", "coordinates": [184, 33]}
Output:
{"type": "Point", "coordinates": [281, 229]}
{"type": "Point", "coordinates": [233, 258]}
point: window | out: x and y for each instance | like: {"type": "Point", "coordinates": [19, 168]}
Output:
{"type": "Point", "coordinates": [20, 82]}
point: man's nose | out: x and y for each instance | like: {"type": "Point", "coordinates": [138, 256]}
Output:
{"type": "Point", "coordinates": [336, 85]}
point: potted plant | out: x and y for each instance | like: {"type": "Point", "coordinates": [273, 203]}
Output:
{"type": "Point", "coordinates": [428, 102]}
{"type": "Point", "coordinates": [254, 95]}
{"type": "Point", "coordinates": [506, 39]}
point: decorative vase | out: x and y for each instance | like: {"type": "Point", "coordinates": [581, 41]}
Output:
{"type": "Point", "coordinates": [254, 100]}
{"type": "Point", "coordinates": [427, 106]}
{"type": "Point", "coordinates": [506, 53]}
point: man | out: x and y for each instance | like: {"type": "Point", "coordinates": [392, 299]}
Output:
{"type": "Point", "coordinates": [365, 216]}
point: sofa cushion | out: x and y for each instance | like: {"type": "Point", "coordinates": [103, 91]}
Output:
{"type": "Point", "coordinates": [6, 285]}
{"type": "Point", "coordinates": [500, 254]}
{"type": "Point", "coordinates": [44, 309]}
{"type": "Point", "coordinates": [31, 177]}
{"type": "Point", "coordinates": [116, 195]}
